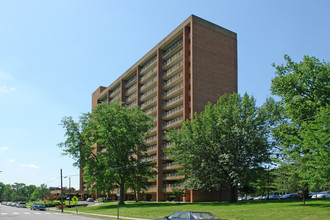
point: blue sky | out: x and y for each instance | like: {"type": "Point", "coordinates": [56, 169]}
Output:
{"type": "Point", "coordinates": [54, 54]}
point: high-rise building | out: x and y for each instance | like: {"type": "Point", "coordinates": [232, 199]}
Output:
{"type": "Point", "coordinates": [193, 65]}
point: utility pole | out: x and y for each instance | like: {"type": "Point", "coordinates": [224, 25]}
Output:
{"type": "Point", "coordinates": [61, 190]}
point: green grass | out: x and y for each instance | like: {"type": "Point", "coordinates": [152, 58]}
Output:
{"type": "Point", "coordinates": [314, 209]}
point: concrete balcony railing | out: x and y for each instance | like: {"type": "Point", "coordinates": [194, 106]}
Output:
{"type": "Point", "coordinates": [170, 166]}
{"type": "Point", "coordinates": [173, 112]}
{"type": "Point", "coordinates": [148, 94]}
{"type": "Point", "coordinates": [131, 105]}
{"type": "Point", "coordinates": [172, 59]}
{"type": "Point", "coordinates": [148, 74]}
{"type": "Point", "coordinates": [172, 80]}
{"type": "Point", "coordinates": [168, 73]}
{"type": "Point", "coordinates": [172, 48]}
{"type": "Point", "coordinates": [151, 111]}
{"type": "Point", "coordinates": [149, 84]}
{"type": "Point", "coordinates": [172, 176]}
{"type": "Point", "coordinates": [151, 140]}
{"type": "Point", "coordinates": [130, 81]}
{"type": "Point", "coordinates": [148, 64]}
{"type": "Point", "coordinates": [131, 90]}
{"type": "Point", "coordinates": [150, 102]}
{"type": "Point", "coordinates": [173, 91]}
{"type": "Point", "coordinates": [173, 122]}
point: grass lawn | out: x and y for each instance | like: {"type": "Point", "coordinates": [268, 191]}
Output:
{"type": "Point", "coordinates": [314, 209]}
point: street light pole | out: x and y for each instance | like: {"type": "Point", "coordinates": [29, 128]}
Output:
{"type": "Point", "coordinates": [61, 190]}
{"type": "Point", "coordinates": [69, 188]}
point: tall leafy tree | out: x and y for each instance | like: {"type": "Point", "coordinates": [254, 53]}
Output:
{"type": "Point", "coordinates": [108, 143]}
{"type": "Point", "coordinates": [225, 144]}
{"type": "Point", "coordinates": [304, 137]}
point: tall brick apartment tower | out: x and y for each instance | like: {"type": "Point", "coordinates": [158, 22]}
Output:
{"type": "Point", "coordinates": [194, 64]}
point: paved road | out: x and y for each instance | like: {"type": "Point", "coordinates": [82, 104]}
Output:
{"type": "Point", "coordinates": [13, 213]}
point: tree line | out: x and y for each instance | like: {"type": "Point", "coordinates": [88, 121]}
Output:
{"type": "Point", "coordinates": [232, 143]}
{"type": "Point", "coordinates": [21, 192]}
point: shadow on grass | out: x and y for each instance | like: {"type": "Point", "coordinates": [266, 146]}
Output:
{"type": "Point", "coordinates": [324, 203]}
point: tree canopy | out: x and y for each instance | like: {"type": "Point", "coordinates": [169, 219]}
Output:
{"type": "Point", "coordinates": [304, 136]}
{"type": "Point", "coordinates": [225, 144]}
{"type": "Point", "coordinates": [108, 143]}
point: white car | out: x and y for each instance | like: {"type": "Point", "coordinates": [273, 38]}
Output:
{"type": "Point", "coordinates": [325, 194]}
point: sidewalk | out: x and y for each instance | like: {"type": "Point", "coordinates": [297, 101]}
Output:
{"type": "Point", "coordinates": [102, 215]}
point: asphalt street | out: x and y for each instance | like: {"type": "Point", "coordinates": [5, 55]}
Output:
{"type": "Point", "coordinates": [13, 213]}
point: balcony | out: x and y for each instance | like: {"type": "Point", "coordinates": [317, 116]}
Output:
{"type": "Point", "coordinates": [167, 145]}
{"type": "Point", "coordinates": [131, 98]}
{"type": "Point", "coordinates": [172, 81]}
{"type": "Point", "coordinates": [171, 61]}
{"type": "Point", "coordinates": [114, 92]}
{"type": "Point", "coordinates": [152, 188]}
{"type": "Point", "coordinates": [170, 166]}
{"type": "Point", "coordinates": [151, 111]}
{"type": "Point", "coordinates": [130, 81]}
{"type": "Point", "coordinates": [173, 92]}
{"type": "Point", "coordinates": [132, 104]}
{"type": "Point", "coordinates": [148, 94]}
{"type": "Point", "coordinates": [173, 70]}
{"type": "Point", "coordinates": [172, 49]}
{"type": "Point", "coordinates": [131, 90]}
{"type": "Point", "coordinates": [173, 123]}
{"type": "Point", "coordinates": [153, 131]}
{"type": "Point", "coordinates": [173, 113]}
{"type": "Point", "coordinates": [148, 75]}
{"type": "Point", "coordinates": [151, 140]}
{"type": "Point", "coordinates": [148, 65]}
{"type": "Point", "coordinates": [149, 103]}
{"type": "Point", "coordinates": [152, 149]}
{"type": "Point", "coordinates": [172, 103]}
{"type": "Point", "coordinates": [173, 176]}
{"type": "Point", "coordinates": [149, 84]}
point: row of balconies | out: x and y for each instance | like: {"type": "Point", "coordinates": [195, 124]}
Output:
{"type": "Point", "coordinates": [148, 74]}
{"type": "Point", "coordinates": [148, 93]}
{"type": "Point", "coordinates": [172, 122]}
{"type": "Point", "coordinates": [173, 79]}
{"type": "Point", "coordinates": [175, 45]}
{"type": "Point", "coordinates": [173, 90]}
{"type": "Point", "coordinates": [169, 61]}
{"type": "Point", "coordinates": [148, 64]}
{"type": "Point", "coordinates": [150, 101]}
{"type": "Point", "coordinates": [130, 81]}
{"type": "Point", "coordinates": [172, 69]}
{"type": "Point", "coordinates": [172, 111]}
{"type": "Point", "coordinates": [153, 80]}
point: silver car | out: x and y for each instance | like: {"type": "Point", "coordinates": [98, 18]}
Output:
{"type": "Point", "coordinates": [190, 216]}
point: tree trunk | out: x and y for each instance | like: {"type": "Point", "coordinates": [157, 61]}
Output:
{"type": "Point", "coordinates": [233, 193]}
{"type": "Point", "coordinates": [122, 193]}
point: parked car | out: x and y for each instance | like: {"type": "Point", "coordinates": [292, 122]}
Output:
{"type": "Point", "coordinates": [21, 205]}
{"type": "Point", "coordinates": [272, 197]}
{"type": "Point", "coordinates": [90, 200]}
{"type": "Point", "coordinates": [290, 196]}
{"type": "Point", "coordinates": [325, 194]}
{"type": "Point", "coordinates": [190, 215]}
{"type": "Point", "coordinates": [38, 207]}
{"type": "Point", "coordinates": [258, 198]}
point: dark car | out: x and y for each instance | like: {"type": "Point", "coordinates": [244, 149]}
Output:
{"type": "Point", "coordinates": [190, 215]}
{"type": "Point", "coordinates": [38, 207]}
{"type": "Point", "coordinates": [290, 196]}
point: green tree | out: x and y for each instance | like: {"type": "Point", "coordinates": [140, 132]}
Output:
{"type": "Point", "coordinates": [304, 137]}
{"type": "Point", "coordinates": [108, 143]}
{"type": "Point", "coordinates": [40, 192]}
{"type": "Point", "coordinates": [225, 144]}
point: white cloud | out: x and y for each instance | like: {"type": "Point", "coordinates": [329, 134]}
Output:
{"type": "Point", "coordinates": [11, 161]}
{"type": "Point", "coordinates": [5, 89]}
{"type": "Point", "coordinates": [4, 148]}
{"type": "Point", "coordinates": [30, 166]}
